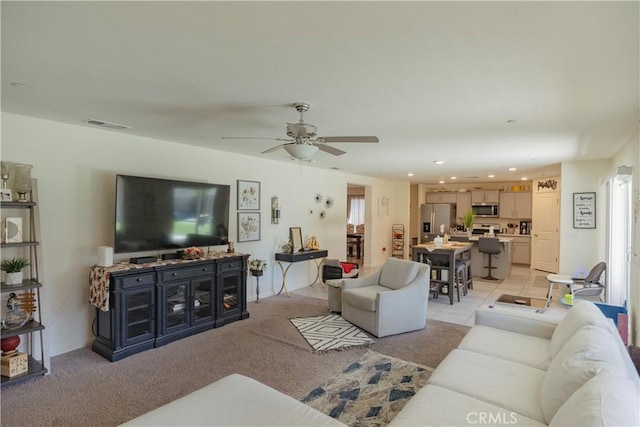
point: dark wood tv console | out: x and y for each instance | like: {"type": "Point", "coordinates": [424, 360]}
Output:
{"type": "Point", "coordinates": [155, 304]}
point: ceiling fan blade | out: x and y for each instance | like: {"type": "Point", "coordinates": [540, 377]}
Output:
{"type": "Point", "coordinates": [349, 139]}
{"type": "Point", "coordinates": [252, 137]}
{"type": "Point", "coordinates": [329, 149]}
{"type": "Point", "coordinates": [277, 147]}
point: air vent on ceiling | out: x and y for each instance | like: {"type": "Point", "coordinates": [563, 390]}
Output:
{"type": "Point", "coordinates": [106, 124]}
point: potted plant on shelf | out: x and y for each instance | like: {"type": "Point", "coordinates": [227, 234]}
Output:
{"type": "Point", "coordinates": [468, 219]}
{"type": "Point", "coordinates": [257, 267]}
{"type": "Point", "coordinates": [13, 267]}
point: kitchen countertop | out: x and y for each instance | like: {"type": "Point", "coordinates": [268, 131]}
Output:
{"type": "Point", "coordinates": [501, 238]}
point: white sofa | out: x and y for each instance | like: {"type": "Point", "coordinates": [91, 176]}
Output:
{"type": "Point", "coordinates": [517, 367]}
{"type": "Point", "coordinates": [514, 367]}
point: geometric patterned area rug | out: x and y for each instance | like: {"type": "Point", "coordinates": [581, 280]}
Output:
{"type": "Point", "coordinates": [331, 332]}
{"type": "Point", "coordinates": [371, 391]}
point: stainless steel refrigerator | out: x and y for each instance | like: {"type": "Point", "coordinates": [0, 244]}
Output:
{"type": "Point", "coordinates": [433, 216]}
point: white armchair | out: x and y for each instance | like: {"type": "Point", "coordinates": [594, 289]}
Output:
{"type": "Point", "coordinates": [390, 301]}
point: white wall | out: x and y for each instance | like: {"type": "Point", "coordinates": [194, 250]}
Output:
{"type": "Point", "coordinates": [76, 167]}
{"type": "Point", "coordinates": [581, 249]}
{"type": "Point", "coordinates": [584, 248]}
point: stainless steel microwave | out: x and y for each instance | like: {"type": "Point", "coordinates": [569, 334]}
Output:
{"type": "Point", "coordinates": [485, 211]}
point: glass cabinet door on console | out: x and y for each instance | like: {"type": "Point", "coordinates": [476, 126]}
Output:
{"type": "Point", "coordinates": [230, 293]}
{"type": "Point", "coordinates": [173, 302]}
{"type": "Point", "coordinates": [203, 299]}
{"type": "Point", "coordinates": [139, 319]}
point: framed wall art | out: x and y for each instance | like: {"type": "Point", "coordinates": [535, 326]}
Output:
{"type": "Point", "coordinates": [295, 234]}
{"type": "Point", "coordinates": [248, 226]}
{"type": "Point", "coordinates": [248, 195]}
{"type": "Point", "coordinates": [584, 210]}
{"type": "Point", "coordinates": [5, 195]}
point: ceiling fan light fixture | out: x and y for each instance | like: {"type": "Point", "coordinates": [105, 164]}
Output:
{"type": "Point", "coordinates": [301, 151]}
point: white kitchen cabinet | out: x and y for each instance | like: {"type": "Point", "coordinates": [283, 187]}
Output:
{"type": "Point", "coordinates": [485, 196]}
{"type": "Point", "coordinates": [463, 204]}
{"type": "Point", "coordinates": [515, 205]}
{"type": "Point", "coordinates": [441, 197]}
{"type": "Point", "coordinates": [521, 247]}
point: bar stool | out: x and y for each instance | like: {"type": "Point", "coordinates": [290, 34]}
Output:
{"type": "Point", "coordinates": [460, 279]}
{"type": "Point", "coordinates": [469, 277]}
{"type": "Point", "coordinates": [489, 246]}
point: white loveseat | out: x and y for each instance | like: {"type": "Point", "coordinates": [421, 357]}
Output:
{"type": "Point", "coordinates": [517, 367]}
{"type": "Point", "coordinates": [514, 367]}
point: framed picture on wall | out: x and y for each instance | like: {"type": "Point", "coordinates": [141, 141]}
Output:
{"type": "Point", "coordinates": [248, 226]}
{"type": "Point", "coordinates": [248, 195]}
{"type": "Point", "coordinates": [295, 234]}
{"type": "Point", "coordinates": [584, 210]}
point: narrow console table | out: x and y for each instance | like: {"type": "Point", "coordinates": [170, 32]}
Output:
{"type": "Point", "coordinates": [139, 307]}
{"type": "Point", "coordinates": [317, 255]}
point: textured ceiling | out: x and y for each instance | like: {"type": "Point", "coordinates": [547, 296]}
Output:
{"type": "Point", "coordinates": [433, 80]}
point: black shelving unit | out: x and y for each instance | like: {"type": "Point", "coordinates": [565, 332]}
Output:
{"type": "Point", "coordinates": [33, 331]}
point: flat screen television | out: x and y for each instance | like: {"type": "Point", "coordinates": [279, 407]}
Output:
{"type": "Point", "coordinates": [156, 214]}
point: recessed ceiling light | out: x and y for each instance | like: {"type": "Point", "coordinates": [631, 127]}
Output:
{"type": "Point", "coordinates": [410, 174]}
{"type": "Point", "coordinates": [439, 162]}
{"type": "Point", "coordinates": [20, 85]}
{"type": "Point", "coordinates": [441, 182]}
{"type": "Point", "coordinates": [454, 177]}
{"type": "Point", "coordinates": [513, 169]}
{"type": "Point", "coordinates": [524, 178]}
{"type": "Point", "coordinates": [491, 176]}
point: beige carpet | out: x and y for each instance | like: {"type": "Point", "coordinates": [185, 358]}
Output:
{"type": "Point", "coordinates": [370, 391]}
{"type": "Point", "coordinates": [85, 389]}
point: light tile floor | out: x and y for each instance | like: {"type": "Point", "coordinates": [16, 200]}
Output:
{"type": "Point", "coordinates": [522, 282]}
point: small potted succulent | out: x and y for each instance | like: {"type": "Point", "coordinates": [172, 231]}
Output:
{"type": "Point", "coordinates": [468, 219]}
{"type": "Point", "coordinates": [13, 267]}
{"type": "Point", "coordinates": [257, 267]}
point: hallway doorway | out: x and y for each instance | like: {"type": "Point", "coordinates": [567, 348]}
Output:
{"type": "Point", "coordinates": [356, 214]}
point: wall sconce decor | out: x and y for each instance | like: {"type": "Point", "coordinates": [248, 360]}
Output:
{"type": "Point", "coordinates": [275, 210]}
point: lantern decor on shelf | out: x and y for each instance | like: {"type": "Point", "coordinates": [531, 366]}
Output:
{"type": "Point", "coordinates": [22, 181]}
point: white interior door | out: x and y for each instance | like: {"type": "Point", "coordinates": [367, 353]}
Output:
{"type": "Point", "coordinates": [545, 238]}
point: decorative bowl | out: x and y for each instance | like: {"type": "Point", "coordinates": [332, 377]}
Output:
{"type": "Point", "coordinates": [15, 319]}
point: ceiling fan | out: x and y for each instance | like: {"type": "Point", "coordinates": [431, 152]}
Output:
{"type": "Point", "coordinates": [303, 141]}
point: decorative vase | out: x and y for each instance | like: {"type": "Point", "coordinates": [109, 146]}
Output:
{"type": "Point", "coordinates": [256, 273]}
{"type": "Point", "coordinates": [9, 344]}
{"type": "Point", "coordinates": [14, 278]}
{"type": "Point", "coordinates": [469, 232]}
{"type": "Point", "coordinates": [22, 181]}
